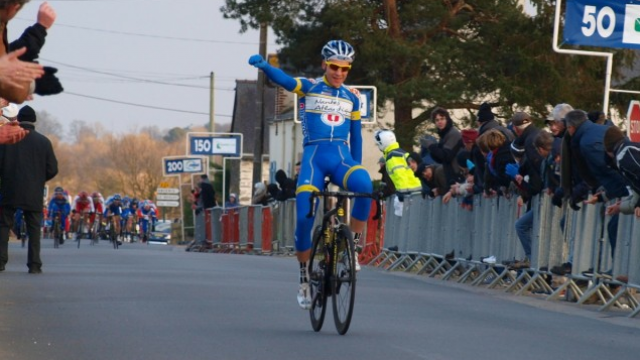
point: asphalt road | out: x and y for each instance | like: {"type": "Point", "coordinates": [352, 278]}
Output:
{"type": "Point", "coordinates": [160, 302]}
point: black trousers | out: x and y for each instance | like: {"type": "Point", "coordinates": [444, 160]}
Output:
{"type": "Point", "coordinates": [33, 220]}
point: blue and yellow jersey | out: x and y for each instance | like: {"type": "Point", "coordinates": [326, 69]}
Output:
{"type": "Point", "coordinates": [325, 112]}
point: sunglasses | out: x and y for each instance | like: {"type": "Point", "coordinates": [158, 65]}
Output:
{"type": "Point", "coordinates": [336, 67]}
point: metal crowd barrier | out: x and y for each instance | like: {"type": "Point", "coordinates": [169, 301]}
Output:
{"type": "Point", "coordinates": [449, 242]}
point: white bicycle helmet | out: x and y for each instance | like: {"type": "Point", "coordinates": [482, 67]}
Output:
{"type": "Point", "coordinates": [338, 50]}
{"type": "Point", "coordinates": [384, 138]}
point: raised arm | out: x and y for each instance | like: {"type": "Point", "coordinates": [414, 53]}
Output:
{"type": "Point", "coordinates": [274, 74]}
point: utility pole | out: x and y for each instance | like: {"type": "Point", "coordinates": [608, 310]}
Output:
{"type": "Point", "coordinates": [212, 126]}
{"type": "Point", "coordinates": [260, 121]}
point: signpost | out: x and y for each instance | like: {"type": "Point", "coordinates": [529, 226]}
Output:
{"type": "Point", "coordinates": [603, 23]}
{"type": "Point", "coordinates": [176, 166]}
{"type": "Point", "coordinates": [227, 145]}
{"type": "Point", "coordinates": [633, 121]}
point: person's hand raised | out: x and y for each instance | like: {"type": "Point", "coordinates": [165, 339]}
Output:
{"type": "Point", "coordinates": [46, 15]}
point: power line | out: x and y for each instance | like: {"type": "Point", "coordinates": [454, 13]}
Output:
{"type": "Point", "coordinates": [141, 105]}
{"type": "Point", "coordinates": [253, 43]}
{"type": "Point", "coordinates": [135, 78]}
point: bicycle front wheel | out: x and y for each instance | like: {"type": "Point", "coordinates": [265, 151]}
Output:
{"type": "Point", "coordinates": [343, 281]}
{"type": "Point", "coordinates": [57, 232]}
{"type": "Point", "coordinates": [317, 281]}
{"type": "Point", "coordinates": [80, 231]}
{"type": "Point", "coordinates": [114, 237]}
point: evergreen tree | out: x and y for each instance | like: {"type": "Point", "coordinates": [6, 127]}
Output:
{"type": "Point", "coordinates": [450, 53]}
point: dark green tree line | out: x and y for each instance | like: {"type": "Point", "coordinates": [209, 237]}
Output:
{"type": "Point", "coordinates": [450, 53]}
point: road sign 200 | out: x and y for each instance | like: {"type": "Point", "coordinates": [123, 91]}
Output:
{"type": "Point", "coordinates": [594, 20]}
{"type": "Point", "coordinates": [174, 166]}
{"type": "Point", "coordinates": [202, 145]}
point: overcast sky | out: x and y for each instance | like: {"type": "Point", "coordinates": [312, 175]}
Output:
{"type": "Point", "coordinates": [121, 50]}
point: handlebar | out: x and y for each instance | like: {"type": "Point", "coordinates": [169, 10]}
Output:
{"type": "Point", "coordinates": [377, 196]}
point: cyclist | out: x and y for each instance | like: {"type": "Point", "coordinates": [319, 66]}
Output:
{"type": "Point", "coordinates": [82, 204]}
{"type": "Point", "coordinates": [114, 208]}
{"type": "Point", "coordinates": [332, 141]}
{"type": "Point", "coordinates": [59, 204]}
{"type": "Point", "coordinates": [98, 205]}
{"type": "Point", "coordinates": [130, 217]}
{"type": "Point", "coordinates": [147, 216]}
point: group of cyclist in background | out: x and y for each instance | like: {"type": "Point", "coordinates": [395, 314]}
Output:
{"type": "Point", "coordinates": [132, 219]}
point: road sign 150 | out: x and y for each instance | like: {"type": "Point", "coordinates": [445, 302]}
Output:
{"type": "Point", "coordinates": [225, 146]}
{"type": "Point", "coordinates": [201, 145]}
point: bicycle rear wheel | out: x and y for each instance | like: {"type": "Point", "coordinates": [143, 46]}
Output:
{"type": "Point", "coordinates": [113, 235]}
{"type": "Point", "coordinates": [57, 233]}
{"type": "Point", "coordinates": [317, 281]}
{"type": "Point", "coordinates": [343, 281]}
{"type": "Point", "coordinates": [80, 231]}
{"type": "Point", "coordinates": [23, 232]}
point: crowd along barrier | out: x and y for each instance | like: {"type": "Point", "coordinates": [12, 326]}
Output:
{"type": "Point", "coordinates": [450, 242]}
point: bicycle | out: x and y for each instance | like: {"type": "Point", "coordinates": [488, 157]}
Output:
{"type": "Point", "coordinates": [57, 230]}
{"type": "Point", "coordinates": [113, 235]}
{"type": "Point", "coordinates": [95, 229]}
{"type": "Point", "coordinates": [332, 263]}
{"type": "Point", "coordinates": [132, 226]}
{"type": "Point", "coordinates": [83, 228]}
{"type": "Point", "coordinates": [23, 230]}
{"type": "Point", "coordinates": [146, 234]}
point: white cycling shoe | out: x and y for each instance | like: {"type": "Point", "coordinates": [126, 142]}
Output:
{"type": "Point", "coordinates": [304, 296]}
{"type": "Point", "coordinates": [357, 263]}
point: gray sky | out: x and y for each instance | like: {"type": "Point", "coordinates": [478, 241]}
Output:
{"type": "Point", "coordinates": [141, 42]}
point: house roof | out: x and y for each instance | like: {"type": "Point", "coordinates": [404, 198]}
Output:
{"type": "Point", "coordinates": [246, 114]}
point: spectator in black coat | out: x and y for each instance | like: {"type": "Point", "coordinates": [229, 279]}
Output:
{"type": "Point", "coordinates": [207, 197]}
{"type": "Point", "coordinates": [286, 187]}
{"type": "Point", "coordinates": [24, 169]}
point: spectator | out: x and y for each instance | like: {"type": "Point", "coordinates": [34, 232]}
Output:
{"type": "Point", "coordinates": [287, 186]}
{"type": "Point", "coordinates": [498, 156]}
{"type": "Point", "coordinates": [297, 173]}
{"type": "Point", "coordinates": [24, 169]}
{"type": "Point", "coordinates": [9, 113]}
{"type": "Point", "coordinates": [598, 117]}
{"type": "Point", "coordinates": [587, 155]}
{"type": "Point", "coordinates": [464, 189]}
{"type": "Point", "coordinates": [425, 142]}
{"type": "Point", "coordinates": [260, 195]}
{"type": "Point", "coordinates": [232, 202]}
{"type": "Point", "coordinates": [435, 179]}
{"type": "Point", "coordinates": [469, 137]}
{"type": "Point", "coordinates": [526, 176]}
{"type": "Point", "coordinates": [626, 157]}
{"type": "Point", "coordinates": [549, 149]}
{"type": "Point", "coordinates": [486, 121]}
{"type": "Point", "coordinates": [206, 195]}
{"type": "Point", "coordinates": [444, 152]}
{"type": "Point", "coordinates": [32, 40]}
{"type": "Point", "coordinates": [396, 164]}
{"type": "Point", "coordinates": [389, 188]}
{"type": "Point", "coordinates": [555, 120]}
{"type": "Point", "coordinates": [414, 160]}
